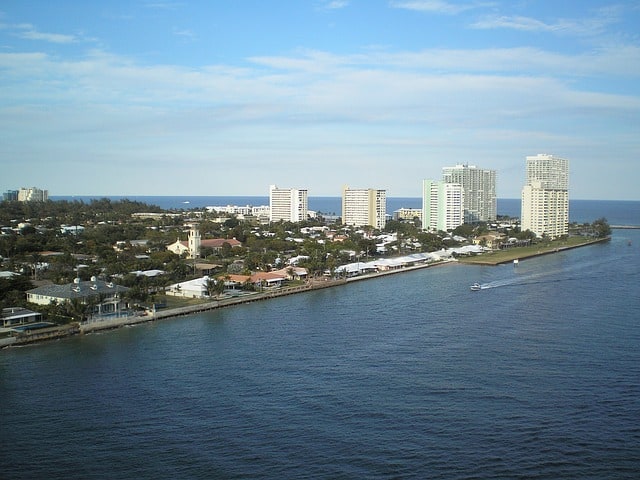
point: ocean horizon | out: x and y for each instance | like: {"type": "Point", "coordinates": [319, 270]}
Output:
{"type": "Point", "coordinates": [617, 212]}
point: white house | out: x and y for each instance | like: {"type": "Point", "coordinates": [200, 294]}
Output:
{"type": "Point", "coordinates": [196, 288]}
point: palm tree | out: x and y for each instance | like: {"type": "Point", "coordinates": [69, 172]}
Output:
{"type": "Point", "coordinates": [76, 309]}
{"type": "Point", "coordinates": [210, 286]}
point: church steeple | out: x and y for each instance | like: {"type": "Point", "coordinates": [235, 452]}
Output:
{"type": "Point", "coordinates": [194, 241]}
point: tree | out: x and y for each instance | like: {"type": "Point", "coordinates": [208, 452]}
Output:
{"type": "Point", "coordinates": [601, 228]}
{"type": "Point", "coordinates": [75, 309]}
{"type": "Point", "coordinates": [210, 286]}
{"type": "Point", "coordinates": [12, 291]}
{"type": "Point", "coordinates": [219, 287]}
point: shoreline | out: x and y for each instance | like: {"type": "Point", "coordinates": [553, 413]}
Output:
{"type": "Point", "coordinates": [311, 285]}
{"type": "Point", "coordinates": [539, 253]}
{"type": "Point", "coordinates": [90, 326]}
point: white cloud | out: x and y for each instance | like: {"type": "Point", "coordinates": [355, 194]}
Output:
{"type": "Point", "coordinates": [376, 108]}
{"type": "Point", "coordinates": [333, 4]}
{"type": "Point", "coordinates": [29, 32]}
{"type": "Point", "coordinates": [438, 6]}
{"type": "Point", "coordinates": [184, 33]}
{"type": "Point", "coordinates": [589, 26]}
{"type": "Point", "coordinates": [164, 5]}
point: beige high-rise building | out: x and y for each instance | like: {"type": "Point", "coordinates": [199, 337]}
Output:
{"type": "Point", "coordinates": [545, 196]}
{"type": "Point", "coordinates": [364, 206]}
{"type": "Point", "coordinates": [288, 204]}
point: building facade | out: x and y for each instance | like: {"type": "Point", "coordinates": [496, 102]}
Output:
{"type": "Point", "coordinates": [10, 196]}
{"type": "Point", "coordinates": [32, 194]}
{"type": "Point", "coordinates": [364, 207]}
{"type": "Point", "coordinates": [104, 297]}
{"type": "Point", "coordinates": [288, 204]}
{"type": "Point", "coordinates": [407, 214]}
{"type": "Point", "coordinates": [194, 241]}
{"type": "Point", "coordinates": [545, 196]}
{"type": "Point", "coordinates": [479, 186]}
{"type": "Point", "coordinates": [442, 205]}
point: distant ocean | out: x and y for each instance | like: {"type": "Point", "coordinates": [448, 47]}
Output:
{"type": "Point", "coordinates": [615, 211]}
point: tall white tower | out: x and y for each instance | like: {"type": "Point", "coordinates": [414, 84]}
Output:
{"type": "Point", "coordinates": [479, 191]}
{"type": "Point", "coordinates": [288, 204]}
{"type": "Point", "coordinates": [545, 196]}
{"type": "Point", "coordinates": [194, 241]}
{"type": "Point", "coordinates": [442, 205]}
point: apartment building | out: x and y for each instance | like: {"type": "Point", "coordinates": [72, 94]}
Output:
{"type": "Point", "coordinates": [32, 194]}
{"type": "Point", "coordinates": [442, 205]}
{"type": "Point", "coordinates": [545, 196]}
{"type": "Point", "coordinates": [288, 204]}
{"type": "Point", "coordinates": [364, 206]}
{"type": "Point", "coordinates": [479, 191]}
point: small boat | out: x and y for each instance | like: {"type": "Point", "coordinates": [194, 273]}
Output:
{"type": "Point", "coordinates": [475, 287]}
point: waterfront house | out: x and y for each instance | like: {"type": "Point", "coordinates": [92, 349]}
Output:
{"type": "Point", "coordinates": [19, 316]}
{"type": "Point", "coordinates": [105, 296]}
{"type": "Point", "coordinates": [292, 273]}
{"type": "Point", "coordinates": [196, 288]}
{"type": "Point", "coordinates": [268, 279]}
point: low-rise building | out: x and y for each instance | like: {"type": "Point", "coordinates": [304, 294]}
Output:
{"type": "Point", "coordinates": [182, 246]}
{"type": "Point", "coordinates": [106, 296]}
{"type": "Point", "coordinates": [19, 316]}
{"type": "Point", "coordinates": [489, 240]}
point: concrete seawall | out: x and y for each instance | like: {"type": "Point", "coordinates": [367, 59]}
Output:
{"type": "Point", "coordinates": [106, 324]}
{"type": "Point", "coordinates": [43, 334]}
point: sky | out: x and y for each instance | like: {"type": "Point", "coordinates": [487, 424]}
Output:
{"type": "Point", "coordinates": [226, 97]}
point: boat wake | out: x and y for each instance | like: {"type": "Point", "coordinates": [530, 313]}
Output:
{"type": "Point", "coordinates": [561, 274]}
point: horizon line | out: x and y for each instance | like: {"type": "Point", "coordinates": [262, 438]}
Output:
{"type": "Point", "coordinates": [100, 196]}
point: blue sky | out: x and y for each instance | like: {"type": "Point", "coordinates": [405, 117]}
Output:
{"type": "Point", "coordinates": [177, 97]}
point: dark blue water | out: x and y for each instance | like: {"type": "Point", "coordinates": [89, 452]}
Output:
{"type": "Point", "coordinates": [411, 376]}
{"type": "Point", "coordinates": [615, 211]}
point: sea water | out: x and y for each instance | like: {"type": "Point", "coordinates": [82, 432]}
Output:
{"type": "Point", "coordinates": [617, 212]}
{"type": "Point", "coordinates": [409, 376]}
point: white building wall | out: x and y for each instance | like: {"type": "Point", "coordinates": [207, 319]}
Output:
{"type": "Point", "coordinates": [287, 204]}
{"type": "Point", "coordinates": [195, 242]}
{"type": "Point", "coordinates": [442, 205]}
{"type": "Point", "coordinates": [545, 196]}
{"type": "Point", "coordinates": [32, 194]}
{"type": "Point", "coordinates": [480, 203]}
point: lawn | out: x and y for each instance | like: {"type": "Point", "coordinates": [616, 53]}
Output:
{"type": "Point", "coordinates": [508, 255]}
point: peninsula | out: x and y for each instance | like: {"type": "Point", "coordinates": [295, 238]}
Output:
{"type": "Point", "coordinates": [83, 267]}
